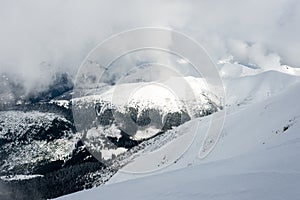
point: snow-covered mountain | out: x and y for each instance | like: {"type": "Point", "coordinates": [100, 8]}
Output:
{"type": "Point", "coordinates": [40, 143]}
{"type": "Point", "coordinates": [256, 156]}
{"type": "Point", "coordinates": [139, 111]}
{"type": "Point", "coordinates": [146, 132]}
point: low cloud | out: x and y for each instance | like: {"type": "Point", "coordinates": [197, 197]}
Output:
{"type": "Point", "coordinates": [262, 31]}
{"type": "Point", "coordinates": [39, 39]}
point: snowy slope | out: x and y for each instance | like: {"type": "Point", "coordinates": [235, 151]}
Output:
{"type": "Point", "coordinates": [171, 95]}
{"type": "Point", "coordinates": [256, 156]}
{"type": "Point", "coordinates": [140, 110]}
{"type": "Point", "coordinates": [247, 129]}
{"type": "Point", "coordinates": [254, 88]}
{"type": "Point", "coordinates": [232, 69]}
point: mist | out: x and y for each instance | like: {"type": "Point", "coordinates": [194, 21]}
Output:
{"type": "Point", "coordinates": [39, 39]}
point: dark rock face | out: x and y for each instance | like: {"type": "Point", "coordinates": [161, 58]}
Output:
{"type": "Point", "coordinates": [80, 155]}
{"type": "Point", "coordinates": [132, 120]}
{"type": "Point", "coordinates": [28, 144]}
{"type": "Point", "coordinates": [106, 118]}
{"type": "Point", "coordinates": [124, 141]}
{"type": "Point", "coordinates": [175, 119]}
{"type": "Point", "coordinates": [56, 130]}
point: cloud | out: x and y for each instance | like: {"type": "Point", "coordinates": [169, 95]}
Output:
{"type": "Point", "coordinates": [40, 38]}
{"type": "Point", "coordinates": [265, 29]}
{"type": "Point", "coordinates": [255, 54]}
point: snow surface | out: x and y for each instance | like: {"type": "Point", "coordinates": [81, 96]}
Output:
{"type": "Point", "coordinates": [62, 103]}
{"type": "Point", "coordinates": [170, 95]}
{"type": "Point", "coordinates": [256, 157]}
{"type": "Point", "coordinates": [109, 153]}
{"type": "Point", "coordinates": [19, 177]}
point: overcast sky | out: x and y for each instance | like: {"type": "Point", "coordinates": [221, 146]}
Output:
{"type": "Point", "coordinates": [61, 33]}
